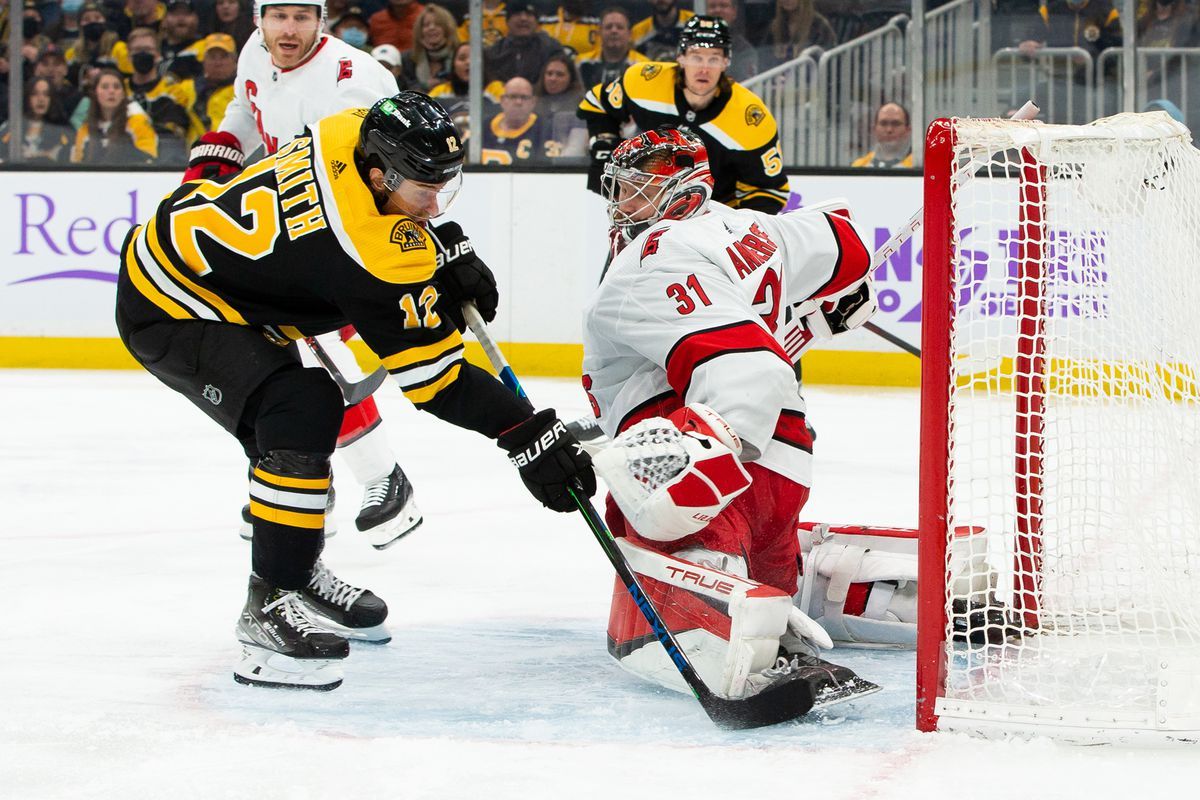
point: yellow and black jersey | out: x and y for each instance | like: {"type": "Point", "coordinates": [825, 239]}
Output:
{"type": "Point", "coordinates": [295, 245]}
{"type": "Point", "coordinates": [738, 130]}
{"type": "Point", "coordinates": [528, 143]}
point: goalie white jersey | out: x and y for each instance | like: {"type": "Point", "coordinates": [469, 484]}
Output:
{"type": "Point", "coordinates": [698, 310]}
{"type": "Point", "coordinates": [272, 105]}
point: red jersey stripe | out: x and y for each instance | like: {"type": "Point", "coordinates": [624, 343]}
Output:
{"type": "Point", "coordinates": [694, 349]}
{"type": "Point", "coordinates": [853, 261]}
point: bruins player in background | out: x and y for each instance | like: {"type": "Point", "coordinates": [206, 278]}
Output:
{"type": "Point", "coordinates": [695, 94]}
{"type": "Point", "coordinates": [334, 229]}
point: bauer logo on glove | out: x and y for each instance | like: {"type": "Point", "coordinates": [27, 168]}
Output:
{"type": "Point", "coordinates": [671, 477]}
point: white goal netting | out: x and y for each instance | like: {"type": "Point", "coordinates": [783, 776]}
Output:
{"type": "Point", "coordinates": [1073, 582]}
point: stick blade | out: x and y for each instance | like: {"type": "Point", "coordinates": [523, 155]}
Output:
{"type": "Point", "coordinates": [355, 393]}
{"type": "Point", "coordinates": [782, 701]}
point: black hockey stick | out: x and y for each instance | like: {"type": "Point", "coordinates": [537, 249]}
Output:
{"type": "Point", "coordinates": [786, 700]}
{"type": "Point", "coordinates": [353, 393]}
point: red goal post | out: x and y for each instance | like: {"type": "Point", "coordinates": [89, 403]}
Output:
{"type": "Point", "coordinates": [1060, 430]}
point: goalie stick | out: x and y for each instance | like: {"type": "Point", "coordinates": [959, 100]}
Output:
{"type": "Point", "coordinates": [353, 393]}
{"type": "Point", "coordinates": [802, 690]}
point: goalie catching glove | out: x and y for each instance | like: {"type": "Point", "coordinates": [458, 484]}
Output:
{"type": "Point", "coordinates": [462, 276]}
{"type": "Point", "coordinates": [671, 477]}
{"type": "Point", "coordinates": [215, 154]}
{"type": "Point", "coordinates": [549, 459]}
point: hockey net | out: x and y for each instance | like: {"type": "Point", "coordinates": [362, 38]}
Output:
{"type": "Point", "coordinates": [1060, 431]}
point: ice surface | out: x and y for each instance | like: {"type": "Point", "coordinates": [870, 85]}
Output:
{"type": "Point", "coordinates": [123, 576]}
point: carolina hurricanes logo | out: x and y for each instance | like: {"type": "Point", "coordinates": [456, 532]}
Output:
{"type": "Point", "coordinates": [345, 69]}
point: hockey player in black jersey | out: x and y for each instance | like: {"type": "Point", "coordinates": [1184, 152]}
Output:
{"type": "Point", "coordinates": [333, 229]}
{"type": "Point", "coordinates": [695, 94]}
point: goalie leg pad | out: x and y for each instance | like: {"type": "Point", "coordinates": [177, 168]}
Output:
{"type": "Point", "coordinates": [727, 625]}
{"type": "Point", "coordinates": [672, 477]}
{"type": "Point", "coordinates": [860, 584]}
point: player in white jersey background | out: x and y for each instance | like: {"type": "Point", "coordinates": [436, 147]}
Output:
{"type": "Point", "coordinates": [689, 344]}
{"type": "Point", "coordinates": [290, 75]}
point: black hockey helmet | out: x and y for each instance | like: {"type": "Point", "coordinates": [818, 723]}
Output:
{"type": "Point", "coordinates": [409, 135]}
{"type": "Point", "coordinates": [704, 31]}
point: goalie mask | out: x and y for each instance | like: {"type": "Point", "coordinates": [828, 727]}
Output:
{"type": "Point", "coordinates": [660, 174]}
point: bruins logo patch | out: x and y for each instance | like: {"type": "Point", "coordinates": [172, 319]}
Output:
{"type": "Point", "coordinates": [650, 71]}
{"type": "Point", "coordinates": [755, 114]}
{"type": "Point", "coordinates": [406, 234]}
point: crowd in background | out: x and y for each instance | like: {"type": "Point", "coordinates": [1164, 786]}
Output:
{"type": "Point", "coordinates": [137, 81]}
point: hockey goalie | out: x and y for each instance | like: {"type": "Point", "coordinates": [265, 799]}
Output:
{"type": "Point", "coordinates": [688, 362]}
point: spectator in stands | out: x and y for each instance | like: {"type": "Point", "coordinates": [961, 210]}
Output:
{"type": "Point", "coordinates": [67, 30]}
{"type": "Point", "coordinates": [45, 136]}
{"type": "Point", "coordinates": [558, 92]}
{"type": "Point", "coordinates": [34, 39]}
{"type": "Point", "coordinates": [893, 139]}
{"type": "Point", "coordinates": [427, 63]}
{"type": "Point", "coordinates": [213, 89]}
{"type": "Point", "coordinates": [180, 34]}
{"type": "Point", "coordinates": [614, 55]}
{"type": "Point", "coordinates": [95, 42]}
{"type": "Point", "coordinates": [658, 34]}
{"type": "Point", "coordinates": [1093, 25]}
{"type": "Point", "coordinates": [452, 94]}
{"type": "Point", "coordinates": [138, 14]}
{"type": "Point", "coordinates": [745, 57]}
{"type": "Point", "coordinates": [52, 66]}
{"type": "Point", "coordinates": [853, 18]}
{"type": "Point", "coordinates": [796, 26]}
{"type": "Point", "coordinates": [523, 50]}
{"type": "Point", "coordinates": [353, 29]}
{"type": "Point", "coordinates": [572, 27]}
{"type": "Point", "coordinates": [1167, 24]}
{"type": "Point", "coordinates": [517, 134]}
{"type": "Point", "coordinates": [116, 130]}
{"type": "Point", "coordinates": [495, 24]}
{"type": "Point", "coordinates": [167, 102]}
{"type": "Point", "coordinates": [233, 17]}
{"type": "Point", "coordinates": [333, 12]}
{"type": "Point", "coordinates": [389, 57]}
{"type": "Point", "coordinates": [394, 25]}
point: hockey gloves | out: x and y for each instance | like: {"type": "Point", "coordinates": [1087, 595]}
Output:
{"type": "Point", "coordinates": [215, 154]}
{"type": "Point", "coordinates": [600, 148]}
{"type": "Point", "coordinates": [549, 459]}
{"type": "Point", "coordinates": [462, 277]}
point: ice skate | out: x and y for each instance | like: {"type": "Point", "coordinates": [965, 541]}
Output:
{"type": "Point", "coordinates": [282, 647]}
{"type": "Point", "coordinates": [388, 511]}
{"type": "Point", "coordinates": [346, 610]}
{"type": "Point", "coordinates": [247, 529]}
{"type": "Point", "coordinates": [831, 684]}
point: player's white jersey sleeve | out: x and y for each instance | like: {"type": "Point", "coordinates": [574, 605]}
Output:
{"type": "Point", "coordinates": [697, 309]}
{"type": "Point", "coordinates": [273, 105]}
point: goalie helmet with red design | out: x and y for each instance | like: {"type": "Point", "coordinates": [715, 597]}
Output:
{"type": "Point", "coordinates": [660, 174]}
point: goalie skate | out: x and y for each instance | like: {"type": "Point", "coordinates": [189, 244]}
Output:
{"type": "Point", "coordinates": [346, 610]}
{"type": "Point", "coordinates": [282, 647]}
{"type": "Point", "coordinates": [389, 510]}
{"type": "Point", "coordinates": [830, 683]}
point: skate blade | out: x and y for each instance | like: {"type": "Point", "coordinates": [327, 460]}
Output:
{"type": "Point", "coordinates": [848, 690]}
{"type": "Point", "coordinates": [261, 667]}
{"type": "Point", "coordinates": [383, 536]}
{"type": "Point", "coordinates": [376, 634]}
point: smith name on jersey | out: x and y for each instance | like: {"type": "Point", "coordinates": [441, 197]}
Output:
{"type": "Point", "coordinates": [696, 310]}
{"type": "Point", "coordinates": [272, 104]}
{"type": "Point", "coordinates": [295, 245]}
{"type": "Point", "coordinates": [737, 129]}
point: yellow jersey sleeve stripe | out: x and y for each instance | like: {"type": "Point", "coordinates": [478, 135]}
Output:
{"type": "Point", "coordinates": [145, 287]}
{"type": "Point", "coordinates": [317, 484]}
{"type": "Point", "coordinates": [290, 332]}
{"type": "Point", "coordinates": [294, 518]}
{"type": "Point", "coordinates": [426, 393]}
{"type": "Point", "coordinates": [412, 356]}
{"type": "Point", "coordinates": [224, 309]}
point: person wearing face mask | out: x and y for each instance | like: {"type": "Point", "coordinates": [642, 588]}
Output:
{"type": "Point", "coordinates": [95, 42]}
{"type": "Point", "coordinates": [166, 100]}
{"type": "Point", "coordinates": [428, 61]}
{"type": "Point", "coordinates": [352, 29]}
{"type": "Point", "coordinates": [291, 74]}
{"type": "Point", "coordinates": [34, 40]}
